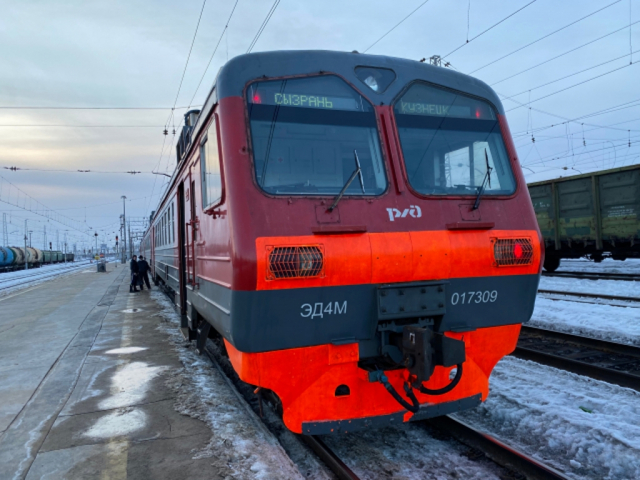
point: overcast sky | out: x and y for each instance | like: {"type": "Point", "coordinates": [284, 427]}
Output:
{"type": "Point", "coordinates": [132, 53]}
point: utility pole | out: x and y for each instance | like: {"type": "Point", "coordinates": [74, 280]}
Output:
{"type": "Point", "coordinates": [96, 235]}
{"type": "Point", "coordinates": [45, 238]}
{"type": "Point", "coordinates": [124, 223]}
{"type": "Point", "coordinates": [65, 246]}
{"type": "Point", "coordinates": [5, 232]}
{"type": "Point", "coordinates": [26, 252]}
{"type": "Point", "coordinates": [57, 240]}
{"type": "Point", "coordinates": [30, 244]}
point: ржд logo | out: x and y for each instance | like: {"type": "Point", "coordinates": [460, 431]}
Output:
{"type": "Point", "coordinates": [413, 210]}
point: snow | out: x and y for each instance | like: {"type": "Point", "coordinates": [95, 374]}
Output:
{"type": "Point", "coordinates": [121, 422]}
{"type": "Point", "coordinates": [409, 451]}
{"type": "Point", "coordinates": [19, 279]}
{"type": "Point", "coordinates": [129, 385]}
{"type": "Point", "coordinates": [240, 444]}
{"type": "Point", "coordinates": [606, 322]}
{"type": "Point", "coordinates": [622, 288]}
{"type": "Point", "coordinates": [631, 265]}
{"type": "Point", "coordinates": [584, 427]}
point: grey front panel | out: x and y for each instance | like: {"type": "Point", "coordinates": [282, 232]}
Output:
{"type": "Point", "coordinates": [280, 319]}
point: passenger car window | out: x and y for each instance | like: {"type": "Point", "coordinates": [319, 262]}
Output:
{"type": "Point", "coordinates": [304, 134]}
{"type": "Point", "coordinates": [448, 140]}
{"type": "Point", "coordinates": [210, 168]}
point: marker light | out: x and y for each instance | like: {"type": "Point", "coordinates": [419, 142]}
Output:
{"type": "Point", "coordinates": [295, 262]}
{"type": "Point", "coordinates": [256, 98]}
{"type": "Point", "coordinates": [509, 252]}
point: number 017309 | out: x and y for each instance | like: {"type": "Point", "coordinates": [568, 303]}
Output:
{"type": "Point", "coordinates": [486, 296]}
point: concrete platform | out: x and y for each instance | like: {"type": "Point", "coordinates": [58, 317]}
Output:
{"type": "Point", "coordinates": [84, 389]}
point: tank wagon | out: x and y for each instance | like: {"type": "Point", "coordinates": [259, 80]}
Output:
{"type": "Point", "coordinates": [592, 215]}
{"type": "Point", "coordinates": [12, 258]}
{"type": "Point", "coordinates": [6, 258]}
{"type": "Point", "coordinates": [355, 230]}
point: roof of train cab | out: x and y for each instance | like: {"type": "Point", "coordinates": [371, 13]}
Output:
{"type": "Point", "coordinates": [237, 72]}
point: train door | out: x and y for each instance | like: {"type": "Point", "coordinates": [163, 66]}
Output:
{"type": "Point", "coordinates": [182, 243]}
{"type": "Point", "coordinates": [191, 231]}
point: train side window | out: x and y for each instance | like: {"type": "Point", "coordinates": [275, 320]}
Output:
{"type": "Point", "coordinates": [173, 229]}
{"type": "Point", "coordinates": [210, 168]}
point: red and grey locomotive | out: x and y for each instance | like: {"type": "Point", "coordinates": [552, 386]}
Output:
{"type": "Point", "coordinates": [358, 230]}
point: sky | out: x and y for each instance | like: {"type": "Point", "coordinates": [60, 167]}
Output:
{"type": "Point", "coordinates": [133, 53]}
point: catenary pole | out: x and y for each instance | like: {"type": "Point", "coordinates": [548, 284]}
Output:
{"type": "Point", "coordinates": [124, 221]}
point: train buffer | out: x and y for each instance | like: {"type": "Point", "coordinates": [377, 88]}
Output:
{"type": "Point", "coordinates": [84, 389]}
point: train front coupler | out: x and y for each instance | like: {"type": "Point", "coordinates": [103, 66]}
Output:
{"type": "Point", "coordinates": [423, 350]}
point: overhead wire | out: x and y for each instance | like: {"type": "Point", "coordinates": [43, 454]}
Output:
{"type": "Point", "coordinates": [563, 54]}
{"type": "Point", "coordinates": [488, 29]}
{"type": "Point", "coordinates": [186, 64]}
{"type": "Point", "coordinates": [226, 26]}
{"type": "Point", "coordinates": [544, 36]}
{"type": "Point", "coordinates": [396, 25]}
{"type": "Point", "coordinates": [263, 26]}
{"type": "Point", "coordinates": [572, 86]}
{"type": "Point", "coordinates": [566, 76]}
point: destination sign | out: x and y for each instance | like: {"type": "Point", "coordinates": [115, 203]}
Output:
{"type": "Point", "coordinates": [306, 101]}
{"type": "Point", "coordinates": [416, 108]}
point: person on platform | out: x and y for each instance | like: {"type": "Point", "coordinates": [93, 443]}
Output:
{"type": "Point", "coordinates": [143, 273]}
{"type": "Point", "coordinates": [134, 274]}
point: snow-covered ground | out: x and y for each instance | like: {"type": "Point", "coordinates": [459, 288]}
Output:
{"type": "Point", "coordinates": [19, 279]}
{"type": "Point", "coordinates": [586, 428]}
{"type": "Point", "coordinates": [631, 265]}
{"type": "Point", "coordinates": [621, 288]}
{"type": "Point", "coordinates": [615, 324]}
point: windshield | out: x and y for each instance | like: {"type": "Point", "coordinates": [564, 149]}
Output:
{"type": "Point", "coordinates": [448, 141]}
{"type": "Point", "coordinates": [306, 133]}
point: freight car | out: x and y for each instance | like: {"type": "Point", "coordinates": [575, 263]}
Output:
{"type": "Point", "coordinates": [355, 230]}
{"type": "Point", "coordinates": [13, 258]}
{"type": "Point", "coordinates": [592, 215]}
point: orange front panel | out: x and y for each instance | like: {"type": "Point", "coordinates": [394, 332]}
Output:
{"type": "Point", "coordinates": [358, 259]}
{"type": "Point", "coordinates": [432, 255]}
{"type": "Point", "coordinates": [392, 255]}
{"type": "Point", "coordinates": [305, 379]}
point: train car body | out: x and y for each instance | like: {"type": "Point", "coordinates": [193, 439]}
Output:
{"type": "Point", "coordinates": [18, 256]}
{"type": "Point", "coordinates": [6, 257]}
{"type": "Point", "coordinates": [357, 229]}
{"type": "Point", "coordinates": [592, 215]}
{"type": "Point", "coordinates": [35, 257]}
{"type": "Point", "coordinates": [46, 256]}
{"type": "Point", "coordinates": [39, 256]}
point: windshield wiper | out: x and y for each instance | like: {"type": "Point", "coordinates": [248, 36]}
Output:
{"type": "Point", "coordinates": [487, 177]}
{"type": "Point", "coordinates": [356, 172]}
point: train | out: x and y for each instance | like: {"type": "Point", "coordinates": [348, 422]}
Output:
{"type": "Point", "coordinates": [13, 258]}
{"type": "Point", "coordinates": [594, 215]}
{"type": "Point", "coordinates": [356, 232]}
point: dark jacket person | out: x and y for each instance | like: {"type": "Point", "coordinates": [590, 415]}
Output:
{"type": "Point", "coordinates": [134, 274]}
{"type": "Point", "coordinates": [143, 269]}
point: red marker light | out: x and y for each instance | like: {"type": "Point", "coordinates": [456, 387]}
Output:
{"type": "Point", "coordinates": [517, 251]}
{"type": "Point", "coordinates": [257, 99]}
{"type": "Point", "coordinates": [478, 114]}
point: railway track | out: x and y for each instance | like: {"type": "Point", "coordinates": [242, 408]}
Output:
{"type": "Point", "coordinates": [594, 275]}
{"type": "Point", "coordinates": [517, 463]}
{"type": "Point", "coordinates": [38, 274]}
{"type": "Point", "coordinates": [599, 359]}
{"type": "Point", "coordinates": [615, 300]}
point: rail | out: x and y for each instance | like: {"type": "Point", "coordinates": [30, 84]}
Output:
{"type": "Point", "coordinates": [610, 362]}
{"type": "Point", "coordinates": [594, 275]}
{"type": "Point", "coordinates": [496, 450]}
{"type": "Point", "coordinates": [590, 295]}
